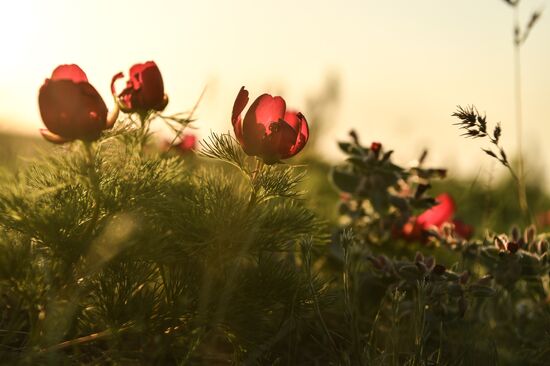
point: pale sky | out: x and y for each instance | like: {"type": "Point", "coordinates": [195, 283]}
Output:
{"type": "Point", "coordinates": [403, 65]}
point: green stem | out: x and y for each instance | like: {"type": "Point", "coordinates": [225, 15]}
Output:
{"type": "Point", "coordinates": [519, 115]}
{"type": "Point", "coordinates": [307, 267]}
{"type": "Point", "coordinates": [144, 127]}
{"type": "Point", "coordinates": [254, 194]}
{"type": "Point", "coordinates": [162, 273]}
{"type": "Point", "coordinates": [94, 185]}
{"type": "Point", "coordinates": [232, 275]}
{"type": "Point", "coordinates": [82, 340]}
{"type": "Point", "coordinates": [349, 302]}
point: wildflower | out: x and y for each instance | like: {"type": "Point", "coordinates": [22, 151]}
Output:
{"type": "Point", "coordinates": [71, 107]}
{"type": "Point", "coordinates": [188, 143]}
{"type": "Point", "coordinates": [436, 217]}
{"type": "Point", "coordinates": [375, 147]}
{"type": "Point", "coordinates": [268, 130]}
{"type": "Point", "coordinates": [144, 90]}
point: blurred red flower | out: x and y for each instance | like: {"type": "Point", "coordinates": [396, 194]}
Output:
{"type": "Point", "coordinates": [144, 90]}
{"type": "Point", "coordinates": [376, 147]}
{"type": "Point", "coordinates": [436, 216]}
{"type": "Point", "coordinates": [187, 144]}
{"type": "Point", "coordinates": [71, 107]}
{"type": "Point", "coordinates": [268, 130]}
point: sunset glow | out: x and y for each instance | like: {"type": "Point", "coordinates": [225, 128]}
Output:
{"type": "Point", "coordinates": [402, 65]}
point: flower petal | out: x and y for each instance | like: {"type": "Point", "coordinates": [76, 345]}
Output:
{"type": "Point", "coordinates": [438, 214]}
{"type": "Point", "coordinates": [188, 143]}
{"type": "Point", "coordinates": [299, 123]}
{"type": "Point", "coordinates": [265, 110]}
{"type": "Point", "coordinates": [69, 72]}
{"type": "Point", "coordinates": [256, 124]}
{"type": "Point", "coordinates": [52, 137]}
{"type": "Point", "coordinates": [270, 109]}
{"type": "Point", "coordinates": [238, 106]}
{"type": "Point", "coordinates": [113, 81]}
{"type": "Point", "coordinates": [279, 142]}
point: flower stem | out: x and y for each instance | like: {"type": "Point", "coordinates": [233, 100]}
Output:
{"type": "Point", "coordinates": [144, 127]}
{"type": "Point", "coordinates": [519, 115]}
{"type": "Point", "coordinates": [254, 194]}
{"type": "Point", "coordinates": [82, 340]}
{"type": "Point", "coordinates": [94, 184]}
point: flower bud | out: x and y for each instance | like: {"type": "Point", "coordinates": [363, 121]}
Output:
{"type": "Point", "coordinates": [71, 107]}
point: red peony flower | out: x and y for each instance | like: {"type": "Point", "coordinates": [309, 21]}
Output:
{"type": "Point", "coordinates": [71, 108]}
{"type": "Point", "coordinates": [436, 216]}
{"type": "Point", "coordinates": [268, 130]}
{"type": "Point", "coordinates": [144, 90]}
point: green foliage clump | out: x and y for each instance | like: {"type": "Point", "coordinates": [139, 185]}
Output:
{"type": "Point", "coordinates": [113, 254]}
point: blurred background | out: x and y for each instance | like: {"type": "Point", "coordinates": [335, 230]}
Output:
{"type": "Point", "coordinates": [393, 70]}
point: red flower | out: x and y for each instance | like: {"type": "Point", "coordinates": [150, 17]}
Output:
{"type": "Point", "coordinates": [71, 108]}
{"type": "Point", "coordinates": [376, 147]}
{"type": "Point", "coordinates": [268, 130]}
{"type": "Point", "coordinates": [187, 144]}
{"type": "Point", "coordinates": [439, 214]}
{"type": "Point", "coordinates": [144, 90]}
{"type": "Point", "coordinates": [436, 216]}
